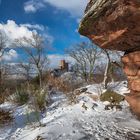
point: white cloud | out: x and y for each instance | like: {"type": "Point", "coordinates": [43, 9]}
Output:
{"type": "Point", "coordinates": [15, 31]}
{"type": "Point", "coordinates": [74, 7]}
{"type": "Point", "coordinates": [49, 39]}
{"type": "Point", "coordinates": [10, 55]}
{"type": "Point", "coordinates": [42, 29]}
{"type": "Point", "coordinates": [56, 58]}
{"type": "Point", "coordinates": [34, 26]}
{"type": "Point", "coordinates": [32, 6]}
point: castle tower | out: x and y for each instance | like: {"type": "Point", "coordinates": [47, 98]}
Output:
{"type": "Point", "coordinates": [64, 65]}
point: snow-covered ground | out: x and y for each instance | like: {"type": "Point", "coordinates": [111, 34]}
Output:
{"type": "Point", "coordinates": [86, 120]}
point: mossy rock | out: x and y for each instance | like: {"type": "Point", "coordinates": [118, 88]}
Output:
{"type": "Point", "coordinates": [112, 97]}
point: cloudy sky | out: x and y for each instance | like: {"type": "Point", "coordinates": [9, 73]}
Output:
{"type": "Point", "coordinates": [56, 20]}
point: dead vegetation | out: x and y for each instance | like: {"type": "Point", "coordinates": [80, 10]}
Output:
{"type": "Point", "coordinates": [63, 85]}
{"type": "Point", "coordinates": [20, 97]}
{"type": "Point", "coordinates": [94, 97]}
{"type": "Point", "coordinates": [5, 117]}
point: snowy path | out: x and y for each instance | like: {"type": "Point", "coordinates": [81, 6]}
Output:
{"type": "Point", "coordinates": [73, 122]}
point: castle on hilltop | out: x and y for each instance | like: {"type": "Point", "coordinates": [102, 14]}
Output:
{"type": "Point", "coordinates": [63, 67]}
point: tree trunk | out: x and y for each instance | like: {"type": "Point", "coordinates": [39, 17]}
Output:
{"type": "Point", "coordinates": [106, 74]}
{"type": "Point", "coordinates": [105, 81]}
{"type": "Point", "coordinates": [40, 79]}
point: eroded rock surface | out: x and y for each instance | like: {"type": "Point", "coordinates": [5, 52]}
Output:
{"type": "Point", "coordinates": [115, 25]}
{"type": "Point", "coordinates": [131, 68]}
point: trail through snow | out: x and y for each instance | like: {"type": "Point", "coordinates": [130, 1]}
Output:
{"type": "Point", "coordinates": [73, 122]}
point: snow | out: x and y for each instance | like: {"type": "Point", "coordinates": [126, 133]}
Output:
{"type": "Point", "coordinates": [119, 87]}
{"type": "Point", "coordinates": [86, 120]}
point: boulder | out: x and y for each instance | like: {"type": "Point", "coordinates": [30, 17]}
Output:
{"type": "Point", "coordinates": [115, 25]}
{"type": "Point", "coordinates": [134, 102]}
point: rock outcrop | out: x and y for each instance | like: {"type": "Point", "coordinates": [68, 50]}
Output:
{"type": "Point", "coordinates": [115, 25]}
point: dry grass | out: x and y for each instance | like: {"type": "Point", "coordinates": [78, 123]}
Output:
{"type": "Point", "coordinates": [66, 86]}
{"type": "Point", "coordinates": [72, 98]}
{"type": "Point", "coordinates": [4, 94]}
{"type": "Point", "coordinates": [59, 84]}
{"type": "Point", "coordinates": [20, 97]}
{"type": "Point", "coordinates": [2, 99]}
{"type": "Point", "coordinates": [94, 97]}
{"type": "Point", "coordinates": [5, 117]}
{"type": "Point", "coordinates": [62, 85]}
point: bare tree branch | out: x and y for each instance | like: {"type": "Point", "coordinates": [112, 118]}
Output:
{"type": "Point", "coordinates": [85, 55]}
{"type": "Point", "coordinates": [35, 51]}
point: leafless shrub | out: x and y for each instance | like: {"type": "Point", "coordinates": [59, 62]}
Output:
{"type": "Point", "coordinates": [20, 97]}
{"type": "Point", "coordinates": [63, 85]}
{"type": "Point", "coordinates": [85, 55]}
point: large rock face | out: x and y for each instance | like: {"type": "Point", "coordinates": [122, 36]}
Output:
{"type": "Point", "coordinates": [115, 24]}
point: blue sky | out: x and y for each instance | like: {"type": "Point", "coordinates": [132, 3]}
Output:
{"type": "Point", "coordinates": [56, 19]}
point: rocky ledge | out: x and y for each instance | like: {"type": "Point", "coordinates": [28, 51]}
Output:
{"type": "Point", "coordinates": [115, 25]}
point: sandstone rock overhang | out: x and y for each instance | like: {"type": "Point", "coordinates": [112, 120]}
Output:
{"type": "Point", "coordinates": [113, 24]}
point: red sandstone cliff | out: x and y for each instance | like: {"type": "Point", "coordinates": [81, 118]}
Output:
{"type": "Point", "coordinates": [115, 24]}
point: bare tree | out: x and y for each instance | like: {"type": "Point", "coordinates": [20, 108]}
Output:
{"type": "Point", "coordinates": [106, 74]}
{"type": "Point", "coordinates": [25, 70]}
{"type": "Point", "coordinates": [35, 50]}
{"type": "Point", "coordinates": [3, 43]}
{"type": "Point", "coordinates": [85, 55]}
{"type": "Point", "coordinates": [110, 66]}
